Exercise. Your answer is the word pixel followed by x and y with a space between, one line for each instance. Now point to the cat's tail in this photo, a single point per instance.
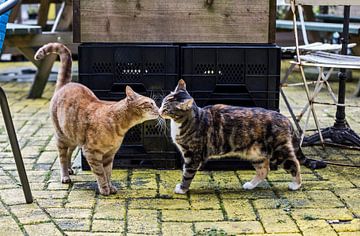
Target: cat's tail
pixel 64 75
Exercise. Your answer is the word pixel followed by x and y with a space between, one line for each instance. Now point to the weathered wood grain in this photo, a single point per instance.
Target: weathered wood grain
pixel 225 21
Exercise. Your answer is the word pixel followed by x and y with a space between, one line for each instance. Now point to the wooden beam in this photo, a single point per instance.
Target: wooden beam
pixel 38 39
pixel 29 54
pixel 225 21
pixel 272 21
pixel 42 76
pixel 43 13
pixel 76 21
pixel 66 17
pixel 326 2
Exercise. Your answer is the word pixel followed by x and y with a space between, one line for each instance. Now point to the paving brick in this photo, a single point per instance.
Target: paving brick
pixel 110 209
pixel 47 157
pixel 143 180
pixel 343 226
pixel 357 233
pixel 323 214
pixel 9 227
pixel 204 201
pixel 12 196
pixel 231 228
pixel 70 213
pixel 50 203
pixel 3 211
pixel 42 229
pixel 74 224
pixel 315 227
pixel 140 221
pixel 57 186
pixel 325 199
pixel 351 198
pixel 227 180
pixel 80 199
pixel 159 204
pixel 29 213
pixel 239 209
pixel 192 215
pixel 248 194
pixel 49 194
pixel 174 228
pixel 70 233
pixel 108 226
pixel 277 221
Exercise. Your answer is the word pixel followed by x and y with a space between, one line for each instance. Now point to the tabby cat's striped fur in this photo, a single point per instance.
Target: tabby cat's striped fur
pixel 98 127
pixel 258 135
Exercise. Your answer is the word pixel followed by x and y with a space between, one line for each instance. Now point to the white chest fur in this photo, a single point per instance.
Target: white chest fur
pixel 175 130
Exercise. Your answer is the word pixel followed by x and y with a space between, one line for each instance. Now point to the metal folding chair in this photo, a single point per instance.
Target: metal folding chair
pixel 326 62
pixel 4 14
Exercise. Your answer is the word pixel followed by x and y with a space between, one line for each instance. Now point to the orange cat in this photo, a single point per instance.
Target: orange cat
pixel 98 127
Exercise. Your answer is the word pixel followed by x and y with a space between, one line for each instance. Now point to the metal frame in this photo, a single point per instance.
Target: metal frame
pixel 4 7
pixel 340 134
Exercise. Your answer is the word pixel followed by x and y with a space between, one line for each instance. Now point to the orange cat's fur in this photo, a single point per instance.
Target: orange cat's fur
pixel 98 127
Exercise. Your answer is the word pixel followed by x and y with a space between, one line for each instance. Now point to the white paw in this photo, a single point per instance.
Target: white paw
pixel 179 190
pixel 294 186
pixel 65 180
pixel 249 185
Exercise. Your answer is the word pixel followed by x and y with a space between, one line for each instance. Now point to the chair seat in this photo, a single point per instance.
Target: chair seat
pixel 325 59
pixel 318 46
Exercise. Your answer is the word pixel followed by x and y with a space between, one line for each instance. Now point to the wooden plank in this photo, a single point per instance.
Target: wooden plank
pixel 41 76
pixel 272 21
pixel 43 13
pixel 227 21
pixel 38 39
pixel 326 2
pixel 76 21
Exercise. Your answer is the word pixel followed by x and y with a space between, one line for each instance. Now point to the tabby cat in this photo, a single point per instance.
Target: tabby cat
pixel 98 127
pixel 260 136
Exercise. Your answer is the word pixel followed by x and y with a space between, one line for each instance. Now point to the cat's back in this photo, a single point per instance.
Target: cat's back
pixel 248 118
pixel 73 92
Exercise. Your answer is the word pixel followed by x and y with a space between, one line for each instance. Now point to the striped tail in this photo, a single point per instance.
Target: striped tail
pixel 64 75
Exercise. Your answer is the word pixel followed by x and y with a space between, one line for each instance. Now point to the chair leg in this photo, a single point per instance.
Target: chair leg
pixel 15 146
pixel 311 105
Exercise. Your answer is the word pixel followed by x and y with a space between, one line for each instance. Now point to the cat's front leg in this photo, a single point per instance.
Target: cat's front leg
pixel 95 161
pixel 189 171
pixel 108 165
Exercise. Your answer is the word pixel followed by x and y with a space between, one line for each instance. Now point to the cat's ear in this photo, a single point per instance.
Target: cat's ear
pixel 130 94
pixel 181 85
pixel 186 105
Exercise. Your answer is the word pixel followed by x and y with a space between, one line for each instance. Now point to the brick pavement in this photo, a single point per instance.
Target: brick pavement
pixel 327 204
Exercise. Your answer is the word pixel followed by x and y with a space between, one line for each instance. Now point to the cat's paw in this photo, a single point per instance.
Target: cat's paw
pixel 71 171
pixel 65 180
pixel 249 185
pixel 294 186
pixel 113 190
pixel 105 191
pixel 180 190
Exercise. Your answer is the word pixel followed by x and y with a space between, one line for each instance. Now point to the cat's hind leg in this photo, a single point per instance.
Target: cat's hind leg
pixel 95 161
pixel 64 163
pixel 69 155
pixel 285 154
pixel 262 170
pixel 292 166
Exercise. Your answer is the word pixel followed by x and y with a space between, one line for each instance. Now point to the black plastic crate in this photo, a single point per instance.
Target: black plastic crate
pixel 243 75
pixel 151 70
